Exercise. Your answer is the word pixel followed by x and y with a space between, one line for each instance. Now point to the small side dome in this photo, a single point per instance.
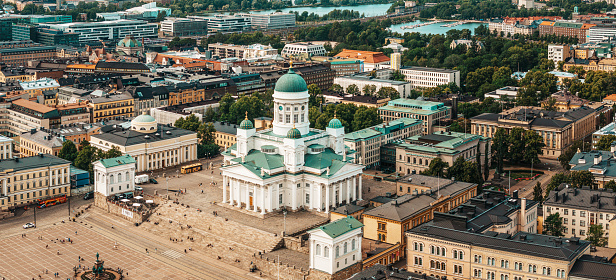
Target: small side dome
pixel 294 133
pixel 246 123
pixel 335 123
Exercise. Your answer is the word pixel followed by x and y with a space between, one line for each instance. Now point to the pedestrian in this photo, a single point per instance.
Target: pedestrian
pixel 185 251
pixel 79 258
pixel 58 252
pixel 47 246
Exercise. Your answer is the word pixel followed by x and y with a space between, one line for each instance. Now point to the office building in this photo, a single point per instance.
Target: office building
pixel 94 32
pixel 147 97
pixel 396 61
pixel 148 11
pixel 153 146
pixel 609 129
pixel 21 56
pixel 178 27
pixel 342 66
pixel 601 33
pixel 271 21
pixel 225 24
pixel 598 162
pixel 24 115
pixel 243 52
pixel 308 49
pixel 580 208
pixel 558 129
pixel 110 106
pixel 372 60
pixel 568 29
pixel 425 77
pixel 360 80
pixel 415 153
pixel 33 178
pixel 431 113
pixel 36 88
pixel 503 94
pixel 6 147
pixel 225 134
pixel 368 142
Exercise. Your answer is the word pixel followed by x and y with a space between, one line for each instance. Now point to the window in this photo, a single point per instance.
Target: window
pixel 352 244
pixel 582 214
pixel 326 252
pixel 583 223
pixel 345 250
pixel 381 226
pixel 565 221
pixel 572 212
pixel 477 273
pixel 477 259
pixel 582 232
pixel 318 250
pixel 337 251
pixel 532 268
pixel 566 211
pixel 504 264
pixel 307 198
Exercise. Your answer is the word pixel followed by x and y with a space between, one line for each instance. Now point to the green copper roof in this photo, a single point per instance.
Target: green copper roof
pixel 117 161
pixel 262 160
pixel 321 160
pixel 144 119
pixel 335 123
pixel 291 82
pixel 340 227
pixel 246 124
pixel 294 133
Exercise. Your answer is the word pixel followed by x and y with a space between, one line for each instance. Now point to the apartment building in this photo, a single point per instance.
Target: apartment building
pixel 372 60
pixel 225 134
pixel 147 97
pixel 447 252
pixel 425 77
pixel 36 88
pixel 209 88
pixel 25 115
pixel 271 21
pixel 37 141
pixel 309 49
pixel 178 27
pixel 598 163
pixel 95 31
pixel 6 147
pixel 245 52
pixel 72 113
pixel 21 56
pixel 568 29
pixel 609 129
pixel 29 179
pixel 427 111
pixel 580 208
pixel 414 154
pixel 111 106
pixel 368 142
pixel 558 53
pixel 558 129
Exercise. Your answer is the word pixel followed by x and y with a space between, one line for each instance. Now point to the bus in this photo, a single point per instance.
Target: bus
pixel 51 201
pixel 191 168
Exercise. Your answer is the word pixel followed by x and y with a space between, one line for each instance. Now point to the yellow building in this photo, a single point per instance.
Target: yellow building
pixel 15 75
pixel 26 180
pixel 444 252
pixel 36 88
pixel 388 222
pixel 346 210
pixel 111 106
pixel 225 134
pixel 36 142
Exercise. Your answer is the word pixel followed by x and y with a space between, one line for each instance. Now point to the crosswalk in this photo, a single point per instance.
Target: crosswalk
pixel 172 254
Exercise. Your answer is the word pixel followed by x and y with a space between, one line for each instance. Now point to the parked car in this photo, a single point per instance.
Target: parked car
pixel 88 195
pixel 153 181
pixel 138 188
pixel 28 225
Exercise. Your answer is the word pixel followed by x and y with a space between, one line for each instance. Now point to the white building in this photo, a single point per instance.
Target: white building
pixel 300 48
pixel 597 34
pixel 271 21
pixel 115 175
pixel 509 92
pixel 6 147
pixel 225 24
pixel 145 11
pixel 290 165
pixel 336 246
pixel 397 48
pixel 152 145
pixel 404 88
pixel 430 77
pixel 93 32
pixel 246 52
pixel 558 53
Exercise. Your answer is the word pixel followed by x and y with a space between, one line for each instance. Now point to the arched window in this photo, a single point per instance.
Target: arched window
pixel 318 253
pixel 345 248
pixel 119 177
pixel 111 179
pixel 326 252
pixel 352 244
pixel 455 254
pixel 420 247
pixel 443 251
pixel 415 246
pixel 432 264
pixel 337 251
pixel 127 176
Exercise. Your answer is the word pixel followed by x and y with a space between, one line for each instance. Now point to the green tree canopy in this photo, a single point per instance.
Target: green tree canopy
pixel 595 235
pixel 605 142
pixel 538 193
pixel 436 168
pixel 68 151
pixel 553 225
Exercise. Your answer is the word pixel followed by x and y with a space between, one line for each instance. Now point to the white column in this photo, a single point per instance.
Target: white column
pixel 354 187
pixel 262 200
pixel 360 187
pixel 231 191
pixel 4 191
pixel 254 198
pixel 326 198
pixel 340 194
pixel 276 199
pixel 348 190
pixel 247 196
pixel 224 189
pixel 294 198
pixel 270 204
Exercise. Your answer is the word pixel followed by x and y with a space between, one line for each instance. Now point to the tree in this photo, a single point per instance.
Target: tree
pixel 246 104
pixel 191 123
pixel 500 146
pixel 68 151
pixel 224 107
pixel 538 193
pixel 556 180
pixel 369 90
pixel 160 17
pixel 397 76
pixel 436 167
pixel 352 89
pixel 336 88
pixel 568 154
pixel 486 162
pixel 111 153
pixel 550 104
pixel 210 114
pixel 595 235
pixel 516 145
pixel 611 185
pixel 457 169
pixel 316 96
pixel 553 225
pixel 605 142
pixel 365 117
pixel 388 92
pixel 581 178
pixel 533 146
pixel 206 133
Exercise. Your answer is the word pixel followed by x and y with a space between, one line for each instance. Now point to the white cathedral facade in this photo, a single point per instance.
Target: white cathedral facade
pixel 290 165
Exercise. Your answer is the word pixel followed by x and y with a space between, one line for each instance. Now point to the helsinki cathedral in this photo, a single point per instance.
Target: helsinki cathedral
pixel 290 165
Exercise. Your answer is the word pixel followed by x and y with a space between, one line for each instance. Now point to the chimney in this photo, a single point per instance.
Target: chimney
pixel 597 159
pixel 515 194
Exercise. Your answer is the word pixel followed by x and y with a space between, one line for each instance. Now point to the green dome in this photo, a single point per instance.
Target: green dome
pixel 294 133
pixel 335 123
pixel 144 119
pixel 291 82
pixel 246 124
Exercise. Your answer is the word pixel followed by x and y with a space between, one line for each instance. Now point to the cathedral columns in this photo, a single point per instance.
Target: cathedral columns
pixel 224 189
pixel 360 189
pixel 354 188
pixel 262 199
pixel 294 196
pixel 327 199
pixel 270 204
pixel 340 193
pixel 247 195
pixel 348 190
pixel 311 201
pixel 254 198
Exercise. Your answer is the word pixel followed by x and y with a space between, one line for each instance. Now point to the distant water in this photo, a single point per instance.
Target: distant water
pixel 433 28
pixel 370 10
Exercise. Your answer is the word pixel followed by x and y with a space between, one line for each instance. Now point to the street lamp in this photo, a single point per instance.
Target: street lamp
pixel 284 230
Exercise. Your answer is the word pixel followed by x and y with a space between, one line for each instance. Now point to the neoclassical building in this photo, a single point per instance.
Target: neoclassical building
pixel 290 165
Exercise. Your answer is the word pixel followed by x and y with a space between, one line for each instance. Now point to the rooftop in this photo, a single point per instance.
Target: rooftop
pixel 340 227
pixel 366 56
pixel 25 163
pixel 582 198
pixel 415 106
pixel 381 272
pixel 127 137
pixel 117 161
